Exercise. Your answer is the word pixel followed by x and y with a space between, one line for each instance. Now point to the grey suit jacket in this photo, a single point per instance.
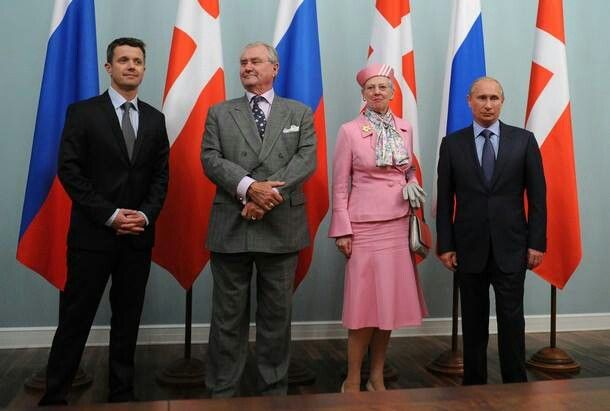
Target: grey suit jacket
pixel 232 149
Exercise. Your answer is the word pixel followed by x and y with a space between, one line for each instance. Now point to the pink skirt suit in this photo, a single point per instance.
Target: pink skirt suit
pixel 381 284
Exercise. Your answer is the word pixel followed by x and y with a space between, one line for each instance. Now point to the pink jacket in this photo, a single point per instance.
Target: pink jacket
pixel 361 191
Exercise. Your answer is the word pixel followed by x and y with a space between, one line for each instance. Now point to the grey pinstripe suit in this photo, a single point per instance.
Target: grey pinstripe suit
pixel 232 149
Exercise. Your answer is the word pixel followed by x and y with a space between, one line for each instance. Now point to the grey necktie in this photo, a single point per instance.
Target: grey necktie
pixel 259 116
pixel 128 133
pixel 488 158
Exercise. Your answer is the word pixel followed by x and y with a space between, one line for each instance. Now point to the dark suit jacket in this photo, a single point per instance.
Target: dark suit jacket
pixel 96 172
pixel 491 219
pixel 232 149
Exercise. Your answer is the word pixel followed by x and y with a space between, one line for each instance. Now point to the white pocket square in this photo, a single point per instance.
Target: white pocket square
pixel 292 129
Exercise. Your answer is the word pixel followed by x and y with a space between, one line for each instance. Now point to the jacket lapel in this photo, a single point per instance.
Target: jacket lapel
pixel 117 133
pixel 275 123
pixel 504 149
pixel 244 119
pixel 470 153
pixel 142 116
pixel 367 130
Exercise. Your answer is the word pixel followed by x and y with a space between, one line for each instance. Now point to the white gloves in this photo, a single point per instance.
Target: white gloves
pixel 415 194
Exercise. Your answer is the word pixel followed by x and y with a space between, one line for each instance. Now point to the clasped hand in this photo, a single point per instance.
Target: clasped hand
pixel 251 211
pixel 129 222
pixel 262 193
pixel 414 194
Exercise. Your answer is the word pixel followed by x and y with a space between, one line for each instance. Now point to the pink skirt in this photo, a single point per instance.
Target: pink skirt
pixel 381 286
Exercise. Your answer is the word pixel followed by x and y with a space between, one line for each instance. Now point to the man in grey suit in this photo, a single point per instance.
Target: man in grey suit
pixel 258 149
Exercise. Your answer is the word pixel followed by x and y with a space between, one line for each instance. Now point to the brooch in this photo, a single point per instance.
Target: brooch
pixel 366 128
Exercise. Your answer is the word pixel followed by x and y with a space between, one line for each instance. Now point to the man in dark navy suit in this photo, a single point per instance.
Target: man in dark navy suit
pixel 485 171
pixel 113 163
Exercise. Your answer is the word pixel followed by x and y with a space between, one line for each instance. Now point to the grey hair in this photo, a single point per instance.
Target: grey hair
pixel 271 51
pixel 390 82
pixel 474 83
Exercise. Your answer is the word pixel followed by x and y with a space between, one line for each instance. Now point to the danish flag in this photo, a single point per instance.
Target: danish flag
pixel 195 81
pixel 392 44
pixel 549 117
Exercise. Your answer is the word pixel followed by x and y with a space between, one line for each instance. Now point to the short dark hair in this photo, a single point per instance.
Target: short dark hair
pixel 124 41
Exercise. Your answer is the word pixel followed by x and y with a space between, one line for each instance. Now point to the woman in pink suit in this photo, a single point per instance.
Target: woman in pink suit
pixel 373 188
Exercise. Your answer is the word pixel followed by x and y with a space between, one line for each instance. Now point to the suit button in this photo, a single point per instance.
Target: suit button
pixel 390 184
pixel 281 155
pixel 244 154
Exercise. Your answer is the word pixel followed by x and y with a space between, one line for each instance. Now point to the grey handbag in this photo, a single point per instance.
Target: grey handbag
pixel 420 237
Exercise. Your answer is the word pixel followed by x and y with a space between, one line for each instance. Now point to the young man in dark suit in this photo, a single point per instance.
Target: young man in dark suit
pixel 113 163
pixel 485 172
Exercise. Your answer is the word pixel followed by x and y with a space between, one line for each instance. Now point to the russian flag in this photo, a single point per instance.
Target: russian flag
pixel 300 78
pixel 465 63
pixel 70 74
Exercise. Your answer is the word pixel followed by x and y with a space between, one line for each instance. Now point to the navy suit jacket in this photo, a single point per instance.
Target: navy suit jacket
pixel 96 172
pixel 474 219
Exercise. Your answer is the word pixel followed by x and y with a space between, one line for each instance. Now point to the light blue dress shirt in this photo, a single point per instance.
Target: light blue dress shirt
pixel 480 140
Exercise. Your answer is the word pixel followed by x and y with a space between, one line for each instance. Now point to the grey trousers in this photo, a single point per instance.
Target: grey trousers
pixel 228 344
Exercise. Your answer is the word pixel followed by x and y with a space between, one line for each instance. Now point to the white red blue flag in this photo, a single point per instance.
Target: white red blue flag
pixel 70 74
pixel 465 63
pixel 300 78
pixel 195 81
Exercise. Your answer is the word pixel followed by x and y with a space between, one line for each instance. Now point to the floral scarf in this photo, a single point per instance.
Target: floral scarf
pixel 390 148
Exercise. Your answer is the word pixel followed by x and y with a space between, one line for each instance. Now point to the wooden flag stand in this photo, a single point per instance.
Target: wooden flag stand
pixel 553 359
pixel 38 381
pixel 187 371
pixel 451 361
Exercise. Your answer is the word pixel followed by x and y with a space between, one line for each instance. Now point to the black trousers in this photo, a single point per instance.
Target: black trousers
pixel 88 273
pixel 474 293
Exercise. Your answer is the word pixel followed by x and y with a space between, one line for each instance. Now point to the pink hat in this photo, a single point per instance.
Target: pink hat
pixel 373 70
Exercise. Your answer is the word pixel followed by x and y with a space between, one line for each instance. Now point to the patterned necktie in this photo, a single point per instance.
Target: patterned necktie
pixel 488 158
pixel 128 133
pixel 259 116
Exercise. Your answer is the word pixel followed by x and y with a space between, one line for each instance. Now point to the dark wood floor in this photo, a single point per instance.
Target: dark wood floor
pixel 325 358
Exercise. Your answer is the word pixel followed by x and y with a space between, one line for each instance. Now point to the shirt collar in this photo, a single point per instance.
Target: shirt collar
pixel 494 128
pixel 118 100
pixel 268 95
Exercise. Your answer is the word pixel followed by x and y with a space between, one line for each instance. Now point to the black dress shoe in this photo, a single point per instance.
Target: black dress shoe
pixel 123 398
pixel 45 402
